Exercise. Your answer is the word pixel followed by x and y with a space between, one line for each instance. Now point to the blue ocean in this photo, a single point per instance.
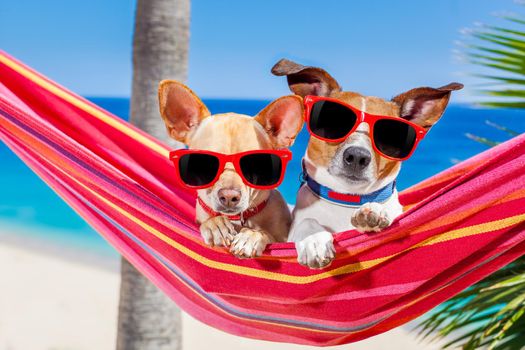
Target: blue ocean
pixel 30 209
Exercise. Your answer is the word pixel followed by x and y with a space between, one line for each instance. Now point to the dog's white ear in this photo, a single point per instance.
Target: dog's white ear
pixel 282 119
pixel 424 106
pixel 304 80
pixel 181 110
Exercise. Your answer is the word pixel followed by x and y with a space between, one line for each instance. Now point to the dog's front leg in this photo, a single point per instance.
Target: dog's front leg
pixel 218 231
pixel 314 245
pixel 371 217
pixel 249 243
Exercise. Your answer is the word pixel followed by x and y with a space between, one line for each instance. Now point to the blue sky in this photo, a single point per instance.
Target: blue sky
pixel 375 47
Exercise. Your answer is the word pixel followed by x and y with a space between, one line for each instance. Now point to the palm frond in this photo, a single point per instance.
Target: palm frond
pixel 482 140
pixel 511 132
pixel 501 48
pixel 491 313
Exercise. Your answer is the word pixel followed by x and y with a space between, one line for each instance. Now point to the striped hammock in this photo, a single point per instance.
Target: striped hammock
pixel 460 226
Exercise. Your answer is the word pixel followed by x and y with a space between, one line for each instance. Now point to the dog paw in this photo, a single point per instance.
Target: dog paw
pixel 316 251
pixel 249 243
pixel 371 217
pixel 218 231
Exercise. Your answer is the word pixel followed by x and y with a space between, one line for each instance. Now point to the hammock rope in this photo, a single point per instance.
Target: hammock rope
pixel 460 226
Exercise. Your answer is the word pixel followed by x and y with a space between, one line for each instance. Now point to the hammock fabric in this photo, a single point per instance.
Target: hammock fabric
pixel 461 225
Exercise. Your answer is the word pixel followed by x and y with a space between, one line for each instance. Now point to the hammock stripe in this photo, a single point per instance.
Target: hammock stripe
pixel 461 225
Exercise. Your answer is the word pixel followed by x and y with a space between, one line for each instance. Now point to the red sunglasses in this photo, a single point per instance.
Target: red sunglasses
pixel 331 120
pixel 260 169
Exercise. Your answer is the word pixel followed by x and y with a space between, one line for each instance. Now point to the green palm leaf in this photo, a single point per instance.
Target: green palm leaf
pixel 491 313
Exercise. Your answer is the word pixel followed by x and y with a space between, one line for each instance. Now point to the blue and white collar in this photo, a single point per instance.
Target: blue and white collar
pixel 348 199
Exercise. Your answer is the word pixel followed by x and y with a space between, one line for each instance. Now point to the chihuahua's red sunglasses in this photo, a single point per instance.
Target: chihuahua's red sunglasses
pixel 331 120
pixel 260 169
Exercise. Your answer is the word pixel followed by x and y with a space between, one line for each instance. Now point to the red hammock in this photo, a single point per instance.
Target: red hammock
pixel 461 225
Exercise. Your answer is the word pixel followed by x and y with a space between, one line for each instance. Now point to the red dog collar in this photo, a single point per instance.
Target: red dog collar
pixel 248 213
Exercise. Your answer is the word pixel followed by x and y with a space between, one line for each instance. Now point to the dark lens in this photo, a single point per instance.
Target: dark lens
pixel 198 169
pixel 261 169
pixel 394 138
pixel 331 120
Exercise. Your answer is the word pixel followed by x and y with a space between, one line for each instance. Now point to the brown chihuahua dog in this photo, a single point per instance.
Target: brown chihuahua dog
pixel 230 212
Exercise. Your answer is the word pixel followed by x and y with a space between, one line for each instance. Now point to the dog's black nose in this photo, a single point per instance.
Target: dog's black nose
pixel 229 197
pixel 357 158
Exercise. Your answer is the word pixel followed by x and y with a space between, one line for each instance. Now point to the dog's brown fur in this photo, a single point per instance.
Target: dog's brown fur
pixel 333 165
pixel 304 81
pixel 189 121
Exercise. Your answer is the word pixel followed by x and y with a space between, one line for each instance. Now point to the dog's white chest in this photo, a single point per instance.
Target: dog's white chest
pixel 333 217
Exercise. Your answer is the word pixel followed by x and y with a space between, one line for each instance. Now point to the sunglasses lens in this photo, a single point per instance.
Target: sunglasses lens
pixel 198 169
pixel 394 138
pixel 331 120
pixel 261 169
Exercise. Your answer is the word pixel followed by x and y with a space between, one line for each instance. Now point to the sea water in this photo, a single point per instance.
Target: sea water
pixel 26 202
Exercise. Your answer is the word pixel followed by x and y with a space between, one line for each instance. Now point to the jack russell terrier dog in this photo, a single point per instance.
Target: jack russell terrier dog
pixel 235 162
pixel 353 157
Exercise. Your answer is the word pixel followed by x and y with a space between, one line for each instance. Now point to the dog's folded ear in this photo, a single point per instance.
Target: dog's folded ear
pixel 424 106
pixel 181 110
pixel 282 119
pixel 304 80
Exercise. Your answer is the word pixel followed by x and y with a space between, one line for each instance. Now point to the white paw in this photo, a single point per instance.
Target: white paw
pixel 218 231
pixel 371 217
pixel 316 251
pixel 249 243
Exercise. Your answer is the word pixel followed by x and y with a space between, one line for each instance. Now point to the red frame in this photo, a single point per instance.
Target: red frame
pixel 235 158
pixel 362 117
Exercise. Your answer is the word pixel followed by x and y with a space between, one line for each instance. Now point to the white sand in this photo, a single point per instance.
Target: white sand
pixel 55 303
pixel 51 303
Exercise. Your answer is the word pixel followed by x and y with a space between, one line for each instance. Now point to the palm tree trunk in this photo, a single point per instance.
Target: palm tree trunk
pixel 147 318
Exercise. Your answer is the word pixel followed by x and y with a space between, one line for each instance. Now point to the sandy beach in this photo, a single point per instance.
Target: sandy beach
pixel 54 299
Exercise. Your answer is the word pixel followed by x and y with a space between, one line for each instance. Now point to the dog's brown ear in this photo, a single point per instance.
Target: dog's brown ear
pixel 424 106
pixel 181 110
pixel 282 119
pixel 306 80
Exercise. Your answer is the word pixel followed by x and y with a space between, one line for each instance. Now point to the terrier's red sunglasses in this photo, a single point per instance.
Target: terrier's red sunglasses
pixel 260 169
pixel 331 120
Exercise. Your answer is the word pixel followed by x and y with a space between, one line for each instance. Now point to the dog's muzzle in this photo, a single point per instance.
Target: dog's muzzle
pixel 356 159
